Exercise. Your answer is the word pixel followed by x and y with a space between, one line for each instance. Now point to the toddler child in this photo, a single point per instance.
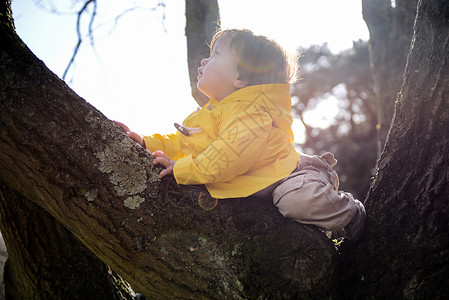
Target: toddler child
pixel 240 143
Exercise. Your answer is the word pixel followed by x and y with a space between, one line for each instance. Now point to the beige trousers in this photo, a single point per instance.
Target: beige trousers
pixel 310 194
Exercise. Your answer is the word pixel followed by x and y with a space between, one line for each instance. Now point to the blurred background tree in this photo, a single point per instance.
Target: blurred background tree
pixel 390 25
pixel 351 135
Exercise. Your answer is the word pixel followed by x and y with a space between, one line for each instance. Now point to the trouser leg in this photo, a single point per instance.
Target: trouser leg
pixel 309 197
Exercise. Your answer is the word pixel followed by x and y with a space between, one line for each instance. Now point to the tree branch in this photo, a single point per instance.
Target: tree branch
pixel 78 32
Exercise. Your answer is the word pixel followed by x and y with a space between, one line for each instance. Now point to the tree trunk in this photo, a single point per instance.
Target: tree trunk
pixel 45 260
pixel 164 239
pixel 405 252
pixel 202 20
pixel 391 30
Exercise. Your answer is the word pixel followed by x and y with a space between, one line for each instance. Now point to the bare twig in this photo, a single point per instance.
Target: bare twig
pixel 91 29
pixel 78 31
pixel 91 22
pixel 131 9
pixel 51 8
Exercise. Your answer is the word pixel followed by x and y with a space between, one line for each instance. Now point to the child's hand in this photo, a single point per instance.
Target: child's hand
pixel 164 160
pixel 136 137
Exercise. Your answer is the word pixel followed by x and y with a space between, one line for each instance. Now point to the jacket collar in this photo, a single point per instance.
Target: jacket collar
pixel 274 98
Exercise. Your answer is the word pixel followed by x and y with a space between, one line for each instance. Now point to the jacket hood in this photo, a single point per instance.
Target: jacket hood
pixel 275 98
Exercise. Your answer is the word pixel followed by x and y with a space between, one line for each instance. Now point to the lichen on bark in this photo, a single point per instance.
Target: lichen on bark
pixel 91 195
pixel 120 159
pixel 133 202
pixel 126 173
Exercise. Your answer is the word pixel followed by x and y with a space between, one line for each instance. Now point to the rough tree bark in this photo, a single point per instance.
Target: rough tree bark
pixel 46 261
pixel 59 152
pixel 44 257
pixel 391 31
pixel 202 20
pixel 405 255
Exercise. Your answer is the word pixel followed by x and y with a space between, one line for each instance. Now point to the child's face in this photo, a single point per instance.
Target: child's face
pixel 218 75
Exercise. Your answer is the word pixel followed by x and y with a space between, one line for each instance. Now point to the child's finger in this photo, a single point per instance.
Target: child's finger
pixel 162 161
pixel 136 137
pixel 156 161
pixel 122 126
pixel 158 153
pixel 164 172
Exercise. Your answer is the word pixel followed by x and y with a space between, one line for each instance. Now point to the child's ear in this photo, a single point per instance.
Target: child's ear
pixel 240 84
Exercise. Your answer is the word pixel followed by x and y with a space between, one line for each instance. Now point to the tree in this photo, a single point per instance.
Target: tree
pixel 391 29
pixel 404 255
pixel 203 19
pixel 46 261
pixel 62 154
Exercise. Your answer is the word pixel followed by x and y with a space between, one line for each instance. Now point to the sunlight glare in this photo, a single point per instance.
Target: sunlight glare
pixel 324 113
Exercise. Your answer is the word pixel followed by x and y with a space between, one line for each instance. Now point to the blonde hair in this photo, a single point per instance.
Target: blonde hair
pixel 260 59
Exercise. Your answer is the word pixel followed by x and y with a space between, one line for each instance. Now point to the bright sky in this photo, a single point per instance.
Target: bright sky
pixel 137 72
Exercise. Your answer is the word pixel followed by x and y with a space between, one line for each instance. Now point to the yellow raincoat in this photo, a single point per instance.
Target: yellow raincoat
pixel 235 147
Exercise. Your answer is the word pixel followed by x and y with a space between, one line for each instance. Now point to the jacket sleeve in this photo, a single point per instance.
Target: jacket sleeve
pixel 169 144
pixel 241 139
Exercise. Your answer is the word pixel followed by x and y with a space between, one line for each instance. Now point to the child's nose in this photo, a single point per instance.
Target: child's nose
pixel 204 61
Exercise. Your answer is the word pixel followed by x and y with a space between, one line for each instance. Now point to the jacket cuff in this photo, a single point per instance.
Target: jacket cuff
pixel 182 171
